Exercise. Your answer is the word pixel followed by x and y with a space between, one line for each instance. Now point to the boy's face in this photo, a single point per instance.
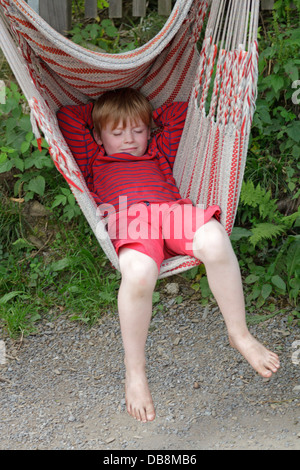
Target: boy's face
pixel 132 139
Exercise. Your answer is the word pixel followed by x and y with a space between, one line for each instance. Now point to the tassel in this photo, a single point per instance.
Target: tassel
pixel 35 129
pixel 39 142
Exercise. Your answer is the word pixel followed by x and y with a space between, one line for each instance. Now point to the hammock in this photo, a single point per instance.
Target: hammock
pixel 219 83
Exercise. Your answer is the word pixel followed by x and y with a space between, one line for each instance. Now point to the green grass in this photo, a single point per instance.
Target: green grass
pixel 72 276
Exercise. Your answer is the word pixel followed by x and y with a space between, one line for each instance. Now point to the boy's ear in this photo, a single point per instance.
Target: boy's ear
pixel 97 137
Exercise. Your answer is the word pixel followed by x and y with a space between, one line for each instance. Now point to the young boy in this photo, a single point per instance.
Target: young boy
pixel 127 169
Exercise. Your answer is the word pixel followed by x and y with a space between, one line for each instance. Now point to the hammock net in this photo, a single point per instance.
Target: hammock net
pixel 219 82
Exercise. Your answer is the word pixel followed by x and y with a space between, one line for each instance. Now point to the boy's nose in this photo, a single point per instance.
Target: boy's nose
pixel 128 136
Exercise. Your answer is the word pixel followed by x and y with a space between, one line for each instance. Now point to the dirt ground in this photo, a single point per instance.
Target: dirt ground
pixel 63 388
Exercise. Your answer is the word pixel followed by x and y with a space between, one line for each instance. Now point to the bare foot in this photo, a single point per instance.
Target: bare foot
pixel 261 359
pixel 138 397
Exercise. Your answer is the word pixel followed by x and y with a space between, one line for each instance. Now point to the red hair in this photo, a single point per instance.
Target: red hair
pixel 121 105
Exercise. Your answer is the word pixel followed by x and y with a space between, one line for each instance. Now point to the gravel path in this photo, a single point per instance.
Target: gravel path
pixel 63 388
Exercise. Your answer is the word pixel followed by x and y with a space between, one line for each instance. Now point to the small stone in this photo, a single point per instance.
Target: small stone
pixel 35 241
pixel 172 288
pixel 38 210
pixel 109 440
pixel 196 385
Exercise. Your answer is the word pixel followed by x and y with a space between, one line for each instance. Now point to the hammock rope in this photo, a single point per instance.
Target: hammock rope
pixel 219 83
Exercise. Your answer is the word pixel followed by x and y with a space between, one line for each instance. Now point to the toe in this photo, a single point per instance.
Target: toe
pixel 151 416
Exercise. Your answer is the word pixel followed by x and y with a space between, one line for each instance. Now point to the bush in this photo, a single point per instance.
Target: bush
pixel 268 214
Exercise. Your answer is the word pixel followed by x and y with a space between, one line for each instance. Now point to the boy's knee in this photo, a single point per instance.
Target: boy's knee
pixel 210 242
pixel 138 269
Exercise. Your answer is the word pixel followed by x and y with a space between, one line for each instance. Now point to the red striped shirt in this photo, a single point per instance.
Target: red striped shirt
pixel 109 177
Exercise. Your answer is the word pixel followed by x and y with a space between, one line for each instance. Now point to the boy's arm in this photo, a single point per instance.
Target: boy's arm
pixel 172 119
pixel 76 125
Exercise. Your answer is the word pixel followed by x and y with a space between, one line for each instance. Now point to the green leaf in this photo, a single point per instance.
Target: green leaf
pixel 60 199
pixel 107 296
pixel 205 289
pixel 29 136
pixel 293 258
pixel 39 161
pixel 3 158
pixel 111 31
pixel 266 291
pixel 21 243
pixel 251 279
pixel 19 164
pixel 65 191
pixel 25 146
pixel 94 32
pixel 10 124
pixel 292 70
pixel 102 4
pixel 71 200
pixel 293 131
pixel 155 297
pixel 277 82
pixel 35 317
pixel 61 264
pixel 264 114
pixel 6 166
pixel 37 185
pixel 191 273
pixel 264 231
pixel 10 295
pixel 25 123
pixel 238 233
pixel 7 149
pixel 278 282
pixel 296 151
pixel 195 286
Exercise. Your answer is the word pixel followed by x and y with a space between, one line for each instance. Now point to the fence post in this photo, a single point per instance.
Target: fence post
pixel 164 7
pixel 34 4
pixel 115 8
pixel 90 8
pixel 139 8
pixel 267 4
pixel 57 13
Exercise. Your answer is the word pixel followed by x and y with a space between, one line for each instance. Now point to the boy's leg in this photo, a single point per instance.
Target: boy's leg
pixel 212 246
pixel 139 276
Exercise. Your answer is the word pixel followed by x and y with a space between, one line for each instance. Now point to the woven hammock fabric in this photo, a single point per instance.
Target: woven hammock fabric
pixel 220 84
pixel 71 74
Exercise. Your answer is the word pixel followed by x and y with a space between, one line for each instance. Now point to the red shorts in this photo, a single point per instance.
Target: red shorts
pixel 159 230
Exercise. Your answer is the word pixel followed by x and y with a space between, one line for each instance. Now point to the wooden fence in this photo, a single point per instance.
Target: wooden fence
pixel 138 8
pixel 58 13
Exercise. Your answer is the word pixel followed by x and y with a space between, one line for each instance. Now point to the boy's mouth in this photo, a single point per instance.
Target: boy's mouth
pixel 130 149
